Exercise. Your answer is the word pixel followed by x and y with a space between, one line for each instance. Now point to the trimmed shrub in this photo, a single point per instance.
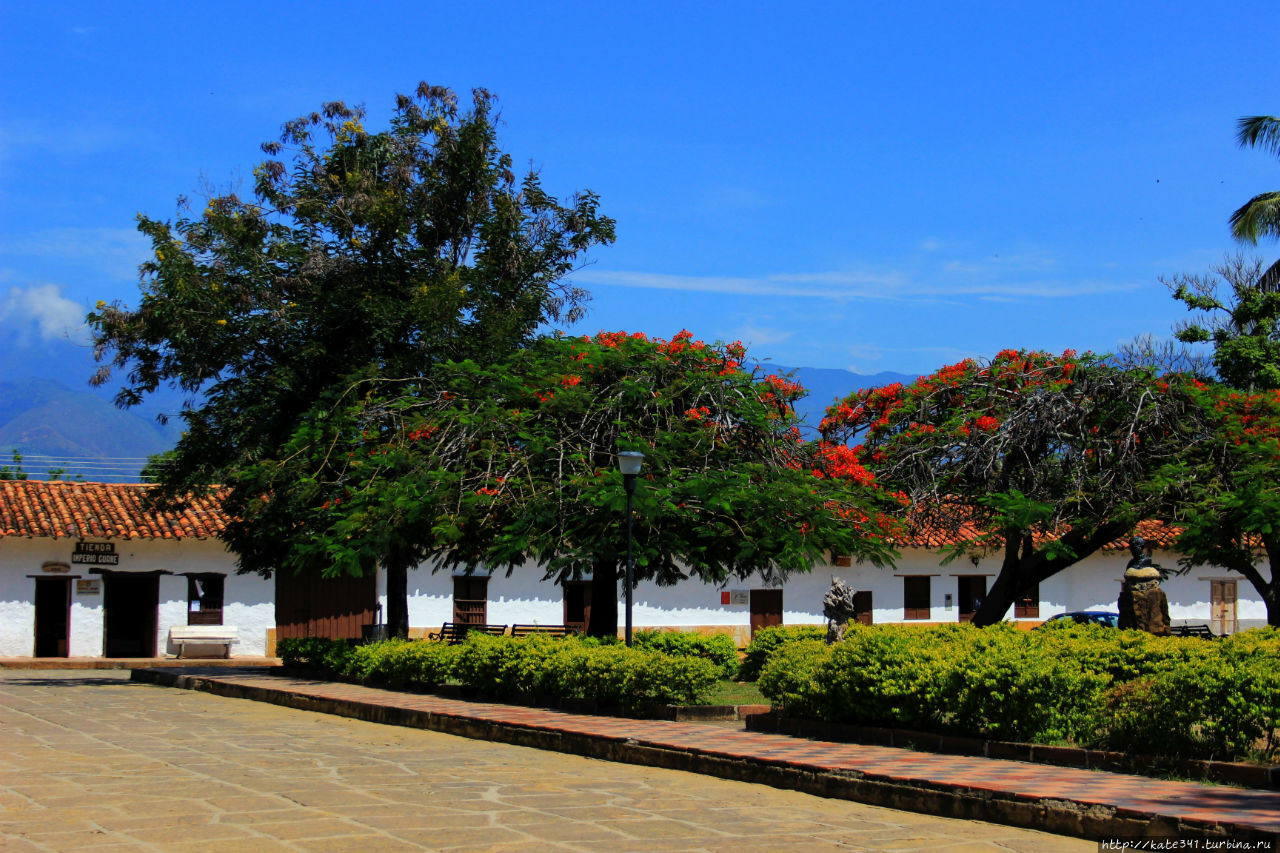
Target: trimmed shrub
pixel 315 653
pixel 1008 688
pixel 1088 685
pixel 401 663
pixel 720 649
pixel 1221 709
pixel 895 675
pixel 767 640
pixel 793 678
pixel 566 668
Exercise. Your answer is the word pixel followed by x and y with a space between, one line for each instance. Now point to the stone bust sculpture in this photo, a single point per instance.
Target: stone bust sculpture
pixel 1143 604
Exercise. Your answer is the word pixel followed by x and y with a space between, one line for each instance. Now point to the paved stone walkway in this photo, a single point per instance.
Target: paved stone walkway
pixel 1070 801
pixel 89 761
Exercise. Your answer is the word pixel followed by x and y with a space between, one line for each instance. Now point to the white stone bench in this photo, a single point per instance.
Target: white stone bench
pixel 191 640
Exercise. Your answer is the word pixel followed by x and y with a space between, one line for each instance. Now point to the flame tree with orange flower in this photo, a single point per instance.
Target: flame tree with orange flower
pixel 499 466
pixel 1223 494
pixel 1040 458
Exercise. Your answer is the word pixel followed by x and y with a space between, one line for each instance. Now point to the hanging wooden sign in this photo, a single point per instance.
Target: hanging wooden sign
pixel 95 554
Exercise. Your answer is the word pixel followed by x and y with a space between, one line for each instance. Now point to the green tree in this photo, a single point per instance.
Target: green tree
pixel 1260 216
pixel 1224 492
pixel 14 471
pixel 359 255
pixel 495 465
pixel 1239 313
pixel 1040 458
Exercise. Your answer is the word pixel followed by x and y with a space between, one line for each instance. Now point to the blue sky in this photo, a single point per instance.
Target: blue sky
pixel 865 186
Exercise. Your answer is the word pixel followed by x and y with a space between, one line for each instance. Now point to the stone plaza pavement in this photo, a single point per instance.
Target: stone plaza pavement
pixel 90 761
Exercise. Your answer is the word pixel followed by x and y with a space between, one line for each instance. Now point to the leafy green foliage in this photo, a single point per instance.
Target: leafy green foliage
pixel 792 677
pixel 768 640
pixel 515 461
pixel 1082 684
pixel 506 667
pixel 1260 216
pixel 361 255
pixel 720 649
pixel 1224 492
pixel 400 663
pixel 14 471
pixel 1238 311
pixel 1040 458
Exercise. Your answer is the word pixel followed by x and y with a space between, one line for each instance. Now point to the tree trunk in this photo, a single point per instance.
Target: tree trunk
pixel 604 599
pixel 397 566
pixel 1268 590
pixel 1004 589
pixel 1024 565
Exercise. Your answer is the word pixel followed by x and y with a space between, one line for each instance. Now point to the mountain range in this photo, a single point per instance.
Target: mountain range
pixel 55 424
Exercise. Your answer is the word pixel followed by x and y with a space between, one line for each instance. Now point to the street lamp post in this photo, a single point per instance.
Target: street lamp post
pixel 629 461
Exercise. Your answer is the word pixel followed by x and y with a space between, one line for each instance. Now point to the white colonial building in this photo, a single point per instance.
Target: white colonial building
pixel 87 571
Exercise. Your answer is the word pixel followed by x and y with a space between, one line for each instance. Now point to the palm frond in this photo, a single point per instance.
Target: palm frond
pixel 1260 216
pixel 1270 280
pixel 1259 132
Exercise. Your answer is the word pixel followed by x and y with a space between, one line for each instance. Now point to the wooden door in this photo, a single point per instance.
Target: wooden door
pixel 577 605
pixel 766 609
pixel 336 608
pixel 971 589
pixel 1222 606
pixel 53 617
pixel 862 607
pixel 129 604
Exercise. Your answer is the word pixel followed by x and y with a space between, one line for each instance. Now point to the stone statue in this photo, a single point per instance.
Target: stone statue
pixel 837 606
pixel 1143 604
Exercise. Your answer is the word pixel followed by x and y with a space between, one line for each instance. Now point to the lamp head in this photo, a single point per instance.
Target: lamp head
pixel 630 462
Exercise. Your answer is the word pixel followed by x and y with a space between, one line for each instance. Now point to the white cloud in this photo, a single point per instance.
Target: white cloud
pixel 42 309
pixel 754 334
pixel 973 280
pixel 115 252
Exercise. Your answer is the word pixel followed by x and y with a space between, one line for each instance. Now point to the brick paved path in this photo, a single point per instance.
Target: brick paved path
pixel 1071 801
pixel 91 762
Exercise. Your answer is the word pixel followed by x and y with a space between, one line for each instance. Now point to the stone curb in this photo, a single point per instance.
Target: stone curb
pixel 1061 816
pixel 1235 773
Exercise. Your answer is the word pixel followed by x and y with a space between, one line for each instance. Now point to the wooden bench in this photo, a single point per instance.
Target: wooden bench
pixel 1201 631
pixel 456 632
pixel 520 630
pixel 182 636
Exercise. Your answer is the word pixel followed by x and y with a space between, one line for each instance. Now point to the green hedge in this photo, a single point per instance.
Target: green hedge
pixel 506 667
pixel 768 640
pixel 1081 684
pixel 395 663
pixel 720 649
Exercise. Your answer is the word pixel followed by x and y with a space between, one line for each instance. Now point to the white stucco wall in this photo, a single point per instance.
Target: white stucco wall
pixel 248 603
pixel 1092 584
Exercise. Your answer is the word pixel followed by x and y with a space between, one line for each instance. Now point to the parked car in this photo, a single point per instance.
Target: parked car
pixel 1107 618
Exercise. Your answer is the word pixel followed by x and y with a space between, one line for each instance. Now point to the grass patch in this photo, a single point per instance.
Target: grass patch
pixel 736 693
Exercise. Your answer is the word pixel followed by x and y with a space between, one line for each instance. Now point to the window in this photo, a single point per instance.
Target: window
pixel 970 590
pixel 471 600
pixel 915 597
pixel 204 599
pixel 1027 606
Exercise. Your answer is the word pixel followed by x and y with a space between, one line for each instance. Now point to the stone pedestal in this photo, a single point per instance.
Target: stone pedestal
pixel 1143 604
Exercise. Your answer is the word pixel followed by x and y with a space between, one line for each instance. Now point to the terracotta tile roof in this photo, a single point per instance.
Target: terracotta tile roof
pixel 929 531
pixel 36 508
